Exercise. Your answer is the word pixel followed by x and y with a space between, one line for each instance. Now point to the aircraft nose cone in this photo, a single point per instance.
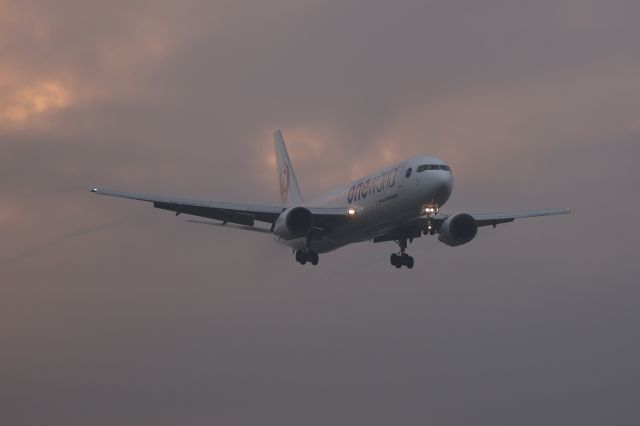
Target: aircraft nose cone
pixel 443 185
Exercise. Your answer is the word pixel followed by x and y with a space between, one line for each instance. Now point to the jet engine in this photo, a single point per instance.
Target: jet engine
pixel 293 223
pixel 458 229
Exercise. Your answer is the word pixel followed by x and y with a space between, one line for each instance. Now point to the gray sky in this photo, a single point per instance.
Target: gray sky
pixel 112 312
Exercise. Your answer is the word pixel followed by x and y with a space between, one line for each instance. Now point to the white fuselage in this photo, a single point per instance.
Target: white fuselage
pixel 382 200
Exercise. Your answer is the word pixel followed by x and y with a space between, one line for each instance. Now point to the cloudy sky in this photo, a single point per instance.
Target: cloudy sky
pixel 112 312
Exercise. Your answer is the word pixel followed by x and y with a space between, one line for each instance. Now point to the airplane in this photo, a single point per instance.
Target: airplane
pixel 397 203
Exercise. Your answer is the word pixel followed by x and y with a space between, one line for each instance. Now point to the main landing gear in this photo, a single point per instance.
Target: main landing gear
pixel 302 257
pixel 402 259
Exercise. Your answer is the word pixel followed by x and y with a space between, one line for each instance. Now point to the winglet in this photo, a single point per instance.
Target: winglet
pixel 289 190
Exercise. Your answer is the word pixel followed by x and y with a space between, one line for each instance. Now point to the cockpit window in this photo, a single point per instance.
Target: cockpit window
pixel 424 167
pixel 408 172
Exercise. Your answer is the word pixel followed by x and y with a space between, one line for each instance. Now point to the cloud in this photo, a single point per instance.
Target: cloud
pixel 54 242
pixel 33 100
pixel 79 54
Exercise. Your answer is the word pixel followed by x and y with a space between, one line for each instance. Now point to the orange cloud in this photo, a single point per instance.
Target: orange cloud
pixel 119 60
pixel 34 99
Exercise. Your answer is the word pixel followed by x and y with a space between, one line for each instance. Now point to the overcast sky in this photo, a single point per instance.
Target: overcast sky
pixel 114 313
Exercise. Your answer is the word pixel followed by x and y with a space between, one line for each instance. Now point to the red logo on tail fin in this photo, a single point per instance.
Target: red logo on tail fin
pixel 284 183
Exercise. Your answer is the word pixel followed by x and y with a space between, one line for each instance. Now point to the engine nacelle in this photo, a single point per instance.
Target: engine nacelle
pixel 458 230
pixel 293 223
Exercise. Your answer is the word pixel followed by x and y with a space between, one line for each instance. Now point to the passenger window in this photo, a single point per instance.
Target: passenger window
pixel 408 172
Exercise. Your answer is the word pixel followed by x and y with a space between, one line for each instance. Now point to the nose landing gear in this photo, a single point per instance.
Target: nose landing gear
pixel 430 210
pixel 402 259
pixel 429 230
pixel 302 257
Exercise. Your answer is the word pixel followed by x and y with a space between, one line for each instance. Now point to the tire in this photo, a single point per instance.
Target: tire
pixel 410 262
pixel 395 261
pixel 314 258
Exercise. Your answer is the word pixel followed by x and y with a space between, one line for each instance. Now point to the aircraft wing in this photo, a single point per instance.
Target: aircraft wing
pixel 413 228
pixel 486 219
pixel 241 214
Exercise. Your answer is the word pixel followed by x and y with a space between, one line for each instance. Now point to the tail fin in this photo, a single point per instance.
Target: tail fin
pixel 289 189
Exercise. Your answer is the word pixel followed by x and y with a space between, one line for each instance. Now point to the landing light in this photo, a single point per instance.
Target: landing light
pixel 351 212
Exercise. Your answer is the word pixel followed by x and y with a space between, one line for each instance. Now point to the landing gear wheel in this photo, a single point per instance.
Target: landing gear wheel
pixel 402 259
pixel 301 257
pixel 409 262
pixel 429 230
